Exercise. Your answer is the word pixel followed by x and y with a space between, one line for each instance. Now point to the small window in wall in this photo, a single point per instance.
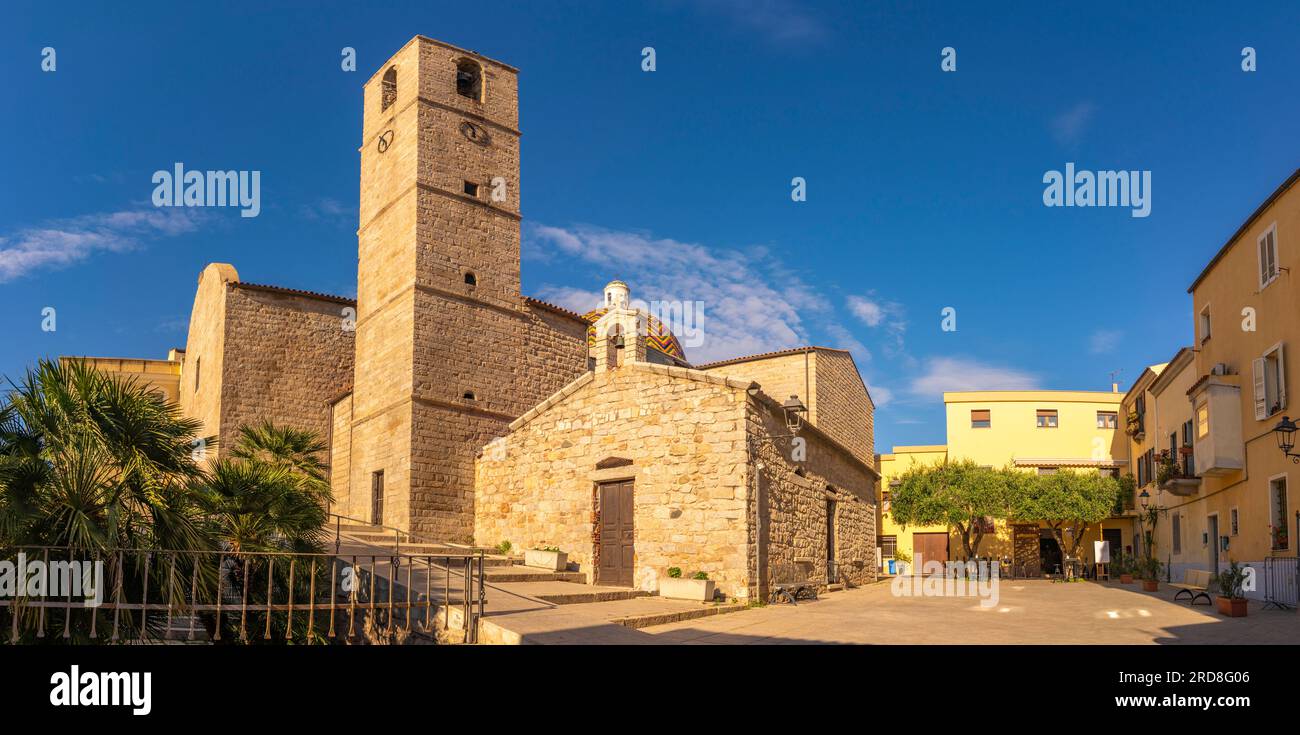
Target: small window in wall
pixel 1279 523
pixel 198 370
pixel 1268 267
pixel 470 278
pixel 1202 420
pixel 1047 470
pixel 1047 418
pixel 471 189
pixel 1107 420
pixel 888 545
pixel 469 80
pixel 1176 531
pixel 1232 521
pixel 389 88
pixel 377 497
pixel 1204 323
pixel 981 418
pixel 468 395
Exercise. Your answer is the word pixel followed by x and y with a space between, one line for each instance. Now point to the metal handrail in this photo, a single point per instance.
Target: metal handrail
pixel 397 533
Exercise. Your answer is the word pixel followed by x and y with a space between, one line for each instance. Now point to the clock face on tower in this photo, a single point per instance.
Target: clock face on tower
pixel 475 134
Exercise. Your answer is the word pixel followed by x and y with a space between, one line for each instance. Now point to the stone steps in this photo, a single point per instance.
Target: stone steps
pixel 517 573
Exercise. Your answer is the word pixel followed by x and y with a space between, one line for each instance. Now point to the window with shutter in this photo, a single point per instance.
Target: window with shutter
pixel 1261 397
pixel 1268 270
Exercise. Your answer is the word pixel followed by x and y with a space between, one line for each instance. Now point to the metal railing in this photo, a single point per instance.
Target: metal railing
pixel 1280 585
pixel 398 535
pixel 314 598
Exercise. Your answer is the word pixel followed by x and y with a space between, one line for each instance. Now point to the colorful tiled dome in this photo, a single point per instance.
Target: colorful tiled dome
pixel 657 335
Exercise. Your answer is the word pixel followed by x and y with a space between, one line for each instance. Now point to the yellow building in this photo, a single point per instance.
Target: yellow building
pixel 1245 306
pixel 1040 431
pixel 898 542
pixel 161 376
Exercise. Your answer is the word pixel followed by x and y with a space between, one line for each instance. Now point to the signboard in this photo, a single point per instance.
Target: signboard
pixel 1101 550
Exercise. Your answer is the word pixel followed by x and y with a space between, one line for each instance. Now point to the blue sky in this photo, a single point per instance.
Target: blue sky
pixel 924 188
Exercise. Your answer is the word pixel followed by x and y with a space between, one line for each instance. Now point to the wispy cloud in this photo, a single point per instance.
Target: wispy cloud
pixel 752 303
pixel 1104 340
pixel 881 314
pixel 60 243
pixel 942 374
pixel 330 210
pixel 782 21
pixel 1069 126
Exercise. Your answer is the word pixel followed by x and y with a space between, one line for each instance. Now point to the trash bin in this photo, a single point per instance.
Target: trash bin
pixel 891 566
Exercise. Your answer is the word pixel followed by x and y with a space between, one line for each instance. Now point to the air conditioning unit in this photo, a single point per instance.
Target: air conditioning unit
pixel 1219 369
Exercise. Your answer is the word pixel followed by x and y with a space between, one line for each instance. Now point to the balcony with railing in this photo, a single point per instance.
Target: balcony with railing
pixel 1176 474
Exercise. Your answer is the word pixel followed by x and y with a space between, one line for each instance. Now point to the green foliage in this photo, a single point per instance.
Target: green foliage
pixel 94 463
pixel 1149 568
pixel 504 548
pixel 959 494
pixel 903 556
pixel 1228 582
pixel 553 549
pixel 699 575
pixel 1074 497
pixel 675 572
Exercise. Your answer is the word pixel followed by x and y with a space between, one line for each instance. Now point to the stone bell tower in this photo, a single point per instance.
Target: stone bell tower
pixel 440 317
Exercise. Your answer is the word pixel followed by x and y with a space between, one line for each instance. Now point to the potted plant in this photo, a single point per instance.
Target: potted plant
pixel 1150 571
pixel 546 557
pixel 1231 600
pixel 1123 567
pixel 698 588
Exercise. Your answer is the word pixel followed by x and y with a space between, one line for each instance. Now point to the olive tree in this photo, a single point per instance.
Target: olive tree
pixel 961 495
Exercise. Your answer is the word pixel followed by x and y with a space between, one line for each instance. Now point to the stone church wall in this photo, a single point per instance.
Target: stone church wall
pixel 686 441
pixel 285 356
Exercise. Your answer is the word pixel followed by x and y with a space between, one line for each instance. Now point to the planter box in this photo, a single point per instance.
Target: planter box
pixel 555 561
pixel 1126 579
pixel 1150 585
pixel 1233 607
pixel 699 590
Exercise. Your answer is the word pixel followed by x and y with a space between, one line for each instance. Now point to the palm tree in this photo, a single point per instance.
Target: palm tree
pixel 94 466
pixel 92 462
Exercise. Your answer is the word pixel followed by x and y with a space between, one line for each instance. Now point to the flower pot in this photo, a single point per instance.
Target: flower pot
pixel 555 561
pixel 1126 579
pixel 1150 585
pixel 699 590
pixel 1233 607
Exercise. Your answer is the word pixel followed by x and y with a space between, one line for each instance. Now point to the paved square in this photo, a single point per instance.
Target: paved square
pixel 1028 611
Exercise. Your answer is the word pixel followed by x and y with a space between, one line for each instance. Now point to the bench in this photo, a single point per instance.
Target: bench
pixel 791 582
pixel 1195 584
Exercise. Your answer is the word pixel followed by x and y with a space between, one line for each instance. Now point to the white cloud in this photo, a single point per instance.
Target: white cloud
pixel 870 312
pixel 875 313
pixel 963 374
pixel 751 302
pixel 1104 340
pixel 1069 126
pixel 61 243
pixel 880 395
pixel 573 299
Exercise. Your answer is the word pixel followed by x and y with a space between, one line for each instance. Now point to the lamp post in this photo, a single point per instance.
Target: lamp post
pixel 1285 431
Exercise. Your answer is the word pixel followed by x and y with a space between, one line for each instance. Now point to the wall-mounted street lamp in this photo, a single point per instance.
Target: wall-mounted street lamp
pixel 1144 498
pixel 1285 431
pixel 794 411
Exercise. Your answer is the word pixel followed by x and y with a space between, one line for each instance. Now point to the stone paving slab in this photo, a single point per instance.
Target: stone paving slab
pixel 1028 612
pixel 594 623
